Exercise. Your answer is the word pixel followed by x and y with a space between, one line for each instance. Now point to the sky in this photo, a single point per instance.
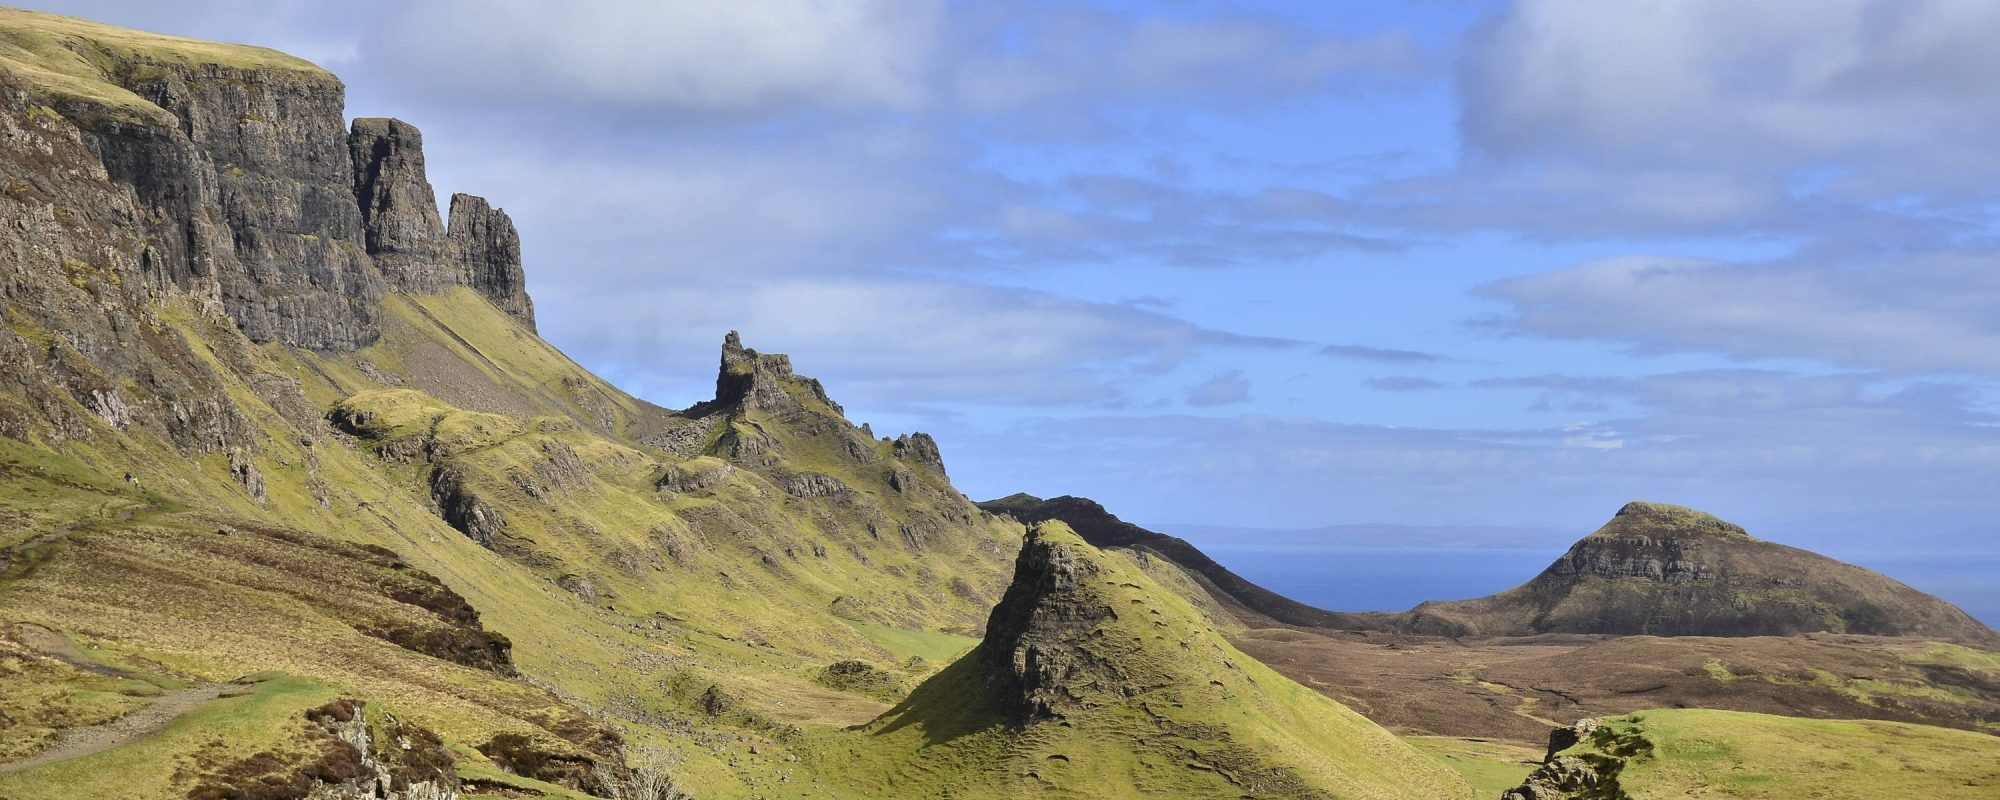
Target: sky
pixel 1439 262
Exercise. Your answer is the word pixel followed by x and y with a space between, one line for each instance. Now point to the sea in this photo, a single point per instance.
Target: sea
pixel 1394 579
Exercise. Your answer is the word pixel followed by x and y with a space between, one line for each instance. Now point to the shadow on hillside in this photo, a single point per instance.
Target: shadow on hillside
pixel 953 703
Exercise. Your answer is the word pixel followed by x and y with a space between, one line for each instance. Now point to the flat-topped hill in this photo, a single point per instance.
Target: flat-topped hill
pixel 1665 570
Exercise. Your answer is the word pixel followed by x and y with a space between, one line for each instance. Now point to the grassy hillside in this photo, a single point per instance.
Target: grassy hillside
pixel 640 584
pixel 1136 695
pixel 1674 753
pixel 74 58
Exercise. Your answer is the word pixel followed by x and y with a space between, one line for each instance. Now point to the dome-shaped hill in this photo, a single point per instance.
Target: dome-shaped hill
pixel 1094 680
pixel 1666 570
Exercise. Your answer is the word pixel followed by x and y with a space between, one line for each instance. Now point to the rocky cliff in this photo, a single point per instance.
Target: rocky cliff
pixel 236 169
pixel 211 281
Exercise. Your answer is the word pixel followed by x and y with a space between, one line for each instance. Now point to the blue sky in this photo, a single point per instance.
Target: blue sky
pixel 1260 263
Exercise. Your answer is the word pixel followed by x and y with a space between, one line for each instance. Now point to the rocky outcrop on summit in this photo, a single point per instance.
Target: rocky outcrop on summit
pixel 1253 604
pixel 1096 678
pixel 1664 570
pixel 1037 646
pixel 764 381
pixel 760 404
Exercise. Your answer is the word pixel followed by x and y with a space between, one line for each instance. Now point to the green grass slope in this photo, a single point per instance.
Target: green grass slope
pixel 1094 680
pixel 638 581
pixel 1674 753
pixel 73 58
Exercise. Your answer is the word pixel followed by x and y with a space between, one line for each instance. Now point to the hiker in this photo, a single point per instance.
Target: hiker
pixel 131 480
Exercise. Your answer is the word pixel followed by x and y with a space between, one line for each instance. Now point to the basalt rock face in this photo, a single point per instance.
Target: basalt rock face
pixel 416 252
pixel 399 215
pixel 245 182
pixel 1035 637
pixel 1664 570
pixel 217 179
pixel 82 257
pixel 488 253
pixel 245 187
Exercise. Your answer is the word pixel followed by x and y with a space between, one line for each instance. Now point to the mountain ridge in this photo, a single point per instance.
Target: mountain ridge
pixel 253 308
pixel 1608 582
pixel 418 553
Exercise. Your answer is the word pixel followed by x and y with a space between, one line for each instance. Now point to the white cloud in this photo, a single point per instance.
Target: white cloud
pixel 1913 314
pixel 1221 389
pixel 664 55
pixel 1063 55
pixel 1804 448
pixel 894 343
pixel 1892 94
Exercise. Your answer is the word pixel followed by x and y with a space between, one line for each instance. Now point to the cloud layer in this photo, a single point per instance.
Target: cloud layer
pixel 1263 262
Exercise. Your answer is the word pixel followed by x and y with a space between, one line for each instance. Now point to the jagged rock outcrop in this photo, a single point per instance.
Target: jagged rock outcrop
pixel 919 448
pixel 399 216
pixel 763 381
pixel 406 762
pixel 757 395
pixel 487 250
pixel 462 507
pixel 1586 776
pixel 1665 570
pixel 1566 778
pixel 807 485
pixel 1037 645
pixel 343 755
pixel 414 251
pixel 1661 753
pixel 1097 679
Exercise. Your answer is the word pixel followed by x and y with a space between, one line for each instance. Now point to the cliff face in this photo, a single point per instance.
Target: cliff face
pixel 142 172
pixel 487 250
pixel 244 182
pixel 399 218
pixel 1037 644
pixel 249 190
